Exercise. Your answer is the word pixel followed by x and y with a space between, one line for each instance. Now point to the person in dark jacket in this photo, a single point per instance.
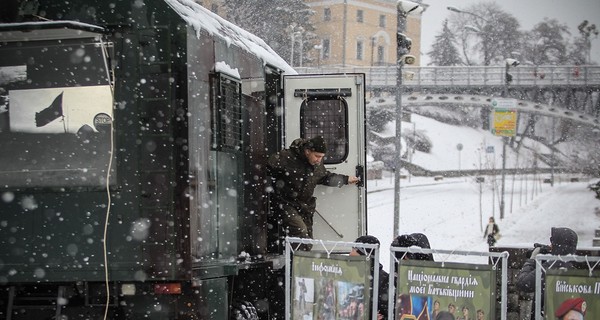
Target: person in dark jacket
pixel 491 232
pixel 563 241
pixel 413 240
pixel 384 277
pixel 295 173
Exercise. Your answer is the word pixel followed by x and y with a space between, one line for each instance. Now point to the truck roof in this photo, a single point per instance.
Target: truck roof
pixel 48 30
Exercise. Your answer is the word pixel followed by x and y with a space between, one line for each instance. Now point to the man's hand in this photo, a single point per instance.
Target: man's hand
pixel 535 252
pixel 353 180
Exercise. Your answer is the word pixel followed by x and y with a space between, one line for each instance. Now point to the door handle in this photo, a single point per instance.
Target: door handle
pixel 360 174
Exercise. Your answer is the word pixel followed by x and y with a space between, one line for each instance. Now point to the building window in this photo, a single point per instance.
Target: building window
pixel 359 50
pixel 326 49
pixel 380 55
pixel 327 14
pixel 382 21
pixel 359 16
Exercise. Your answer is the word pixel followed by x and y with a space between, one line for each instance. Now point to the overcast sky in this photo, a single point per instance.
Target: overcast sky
pixel 528 12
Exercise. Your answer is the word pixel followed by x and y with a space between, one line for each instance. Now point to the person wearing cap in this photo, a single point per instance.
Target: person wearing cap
pixel 384 277
pixel 571 309
pixel 563 241
pixel 295 173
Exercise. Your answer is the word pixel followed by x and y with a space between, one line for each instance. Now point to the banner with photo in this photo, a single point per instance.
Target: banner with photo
pixel 574 293
pixel 425 290
pixel 326 288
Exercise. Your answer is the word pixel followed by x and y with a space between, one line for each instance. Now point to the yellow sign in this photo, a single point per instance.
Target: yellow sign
pixel 505 122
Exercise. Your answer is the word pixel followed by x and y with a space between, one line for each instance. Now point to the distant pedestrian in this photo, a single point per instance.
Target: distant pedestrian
pixel 492 232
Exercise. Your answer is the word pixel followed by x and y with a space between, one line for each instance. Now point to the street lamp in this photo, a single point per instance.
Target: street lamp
pixel 295 31
pixel 404 8
pixel 319 48
pixel 457 10
pixel 509 62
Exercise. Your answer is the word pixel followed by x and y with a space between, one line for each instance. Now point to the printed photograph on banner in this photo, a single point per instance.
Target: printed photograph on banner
pixel 334 287
pixel 426 290
pixel 304 296
pixel 572 294
pixel 58 137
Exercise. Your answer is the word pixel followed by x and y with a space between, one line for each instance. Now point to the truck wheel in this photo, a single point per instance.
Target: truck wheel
pixel 243 310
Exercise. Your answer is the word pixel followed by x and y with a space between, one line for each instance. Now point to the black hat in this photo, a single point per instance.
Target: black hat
pixel 368 240
pixel 317 144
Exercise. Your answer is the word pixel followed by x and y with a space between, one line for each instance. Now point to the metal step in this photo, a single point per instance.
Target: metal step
pixel 41 300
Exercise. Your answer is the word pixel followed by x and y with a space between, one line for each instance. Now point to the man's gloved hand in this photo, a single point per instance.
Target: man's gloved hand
pixel 535 252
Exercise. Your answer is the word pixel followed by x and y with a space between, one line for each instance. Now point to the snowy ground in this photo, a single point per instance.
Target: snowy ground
pixel 448 211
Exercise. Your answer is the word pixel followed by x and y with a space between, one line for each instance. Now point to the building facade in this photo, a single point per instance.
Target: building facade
pixel 360 32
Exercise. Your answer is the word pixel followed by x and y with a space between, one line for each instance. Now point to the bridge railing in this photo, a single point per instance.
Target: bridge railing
pixel 383 76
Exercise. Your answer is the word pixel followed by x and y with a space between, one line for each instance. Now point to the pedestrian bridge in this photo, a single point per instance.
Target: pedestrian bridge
pixel 480 77
pixel 570 91
pixel 486 102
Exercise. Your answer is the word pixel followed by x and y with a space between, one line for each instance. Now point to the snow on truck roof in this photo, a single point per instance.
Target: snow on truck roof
pixel 201 18
pixel 48 30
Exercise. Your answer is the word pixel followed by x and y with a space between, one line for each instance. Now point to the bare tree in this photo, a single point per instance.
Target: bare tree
pixel 278 22
pixel 487 34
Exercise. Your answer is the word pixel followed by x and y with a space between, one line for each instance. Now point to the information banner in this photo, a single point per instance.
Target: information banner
pixel 504 122
pixel 426 289
pixel 327 288
pixel 573 292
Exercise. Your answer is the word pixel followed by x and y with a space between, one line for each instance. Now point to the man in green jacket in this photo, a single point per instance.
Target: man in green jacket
pixel 295 172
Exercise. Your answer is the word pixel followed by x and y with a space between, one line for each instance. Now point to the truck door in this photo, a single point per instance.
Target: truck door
pixel 332 106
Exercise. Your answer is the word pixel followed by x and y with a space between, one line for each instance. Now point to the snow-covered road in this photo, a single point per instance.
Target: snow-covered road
pixel 449 212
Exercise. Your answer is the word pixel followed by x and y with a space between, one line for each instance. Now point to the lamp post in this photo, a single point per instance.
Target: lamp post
pixel 404 8
pixel 509 62
pixel 319 48
pixel 294 32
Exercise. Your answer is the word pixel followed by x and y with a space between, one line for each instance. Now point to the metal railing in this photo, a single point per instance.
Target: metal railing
pixel 466 76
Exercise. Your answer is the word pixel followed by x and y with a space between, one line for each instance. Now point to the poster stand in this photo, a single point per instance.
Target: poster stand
pixel 494 258
pixel 330 250
pixel 578 289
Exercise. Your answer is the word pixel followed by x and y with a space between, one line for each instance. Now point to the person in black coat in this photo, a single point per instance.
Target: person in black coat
pixel 491 232
pixel 413 240
pixel 563 241
pixel 384 277
pixel 295 173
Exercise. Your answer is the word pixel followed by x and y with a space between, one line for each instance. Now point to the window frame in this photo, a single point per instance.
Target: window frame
pixel 226 136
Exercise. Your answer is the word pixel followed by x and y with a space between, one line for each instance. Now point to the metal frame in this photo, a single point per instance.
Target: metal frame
pixel 501 255
pixel 329 247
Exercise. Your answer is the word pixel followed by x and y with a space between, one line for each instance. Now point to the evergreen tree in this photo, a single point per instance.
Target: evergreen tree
pixel 275 21
pixel 443 51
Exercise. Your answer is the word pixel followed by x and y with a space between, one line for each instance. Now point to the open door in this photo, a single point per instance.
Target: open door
pixel 332 106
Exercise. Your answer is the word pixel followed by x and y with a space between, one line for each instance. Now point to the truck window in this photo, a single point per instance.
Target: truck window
pixel 327 118
pixel 55 114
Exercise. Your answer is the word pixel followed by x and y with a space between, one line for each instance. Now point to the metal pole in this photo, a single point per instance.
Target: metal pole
pixel 401 21
pixel 292 49
pixel 503 177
